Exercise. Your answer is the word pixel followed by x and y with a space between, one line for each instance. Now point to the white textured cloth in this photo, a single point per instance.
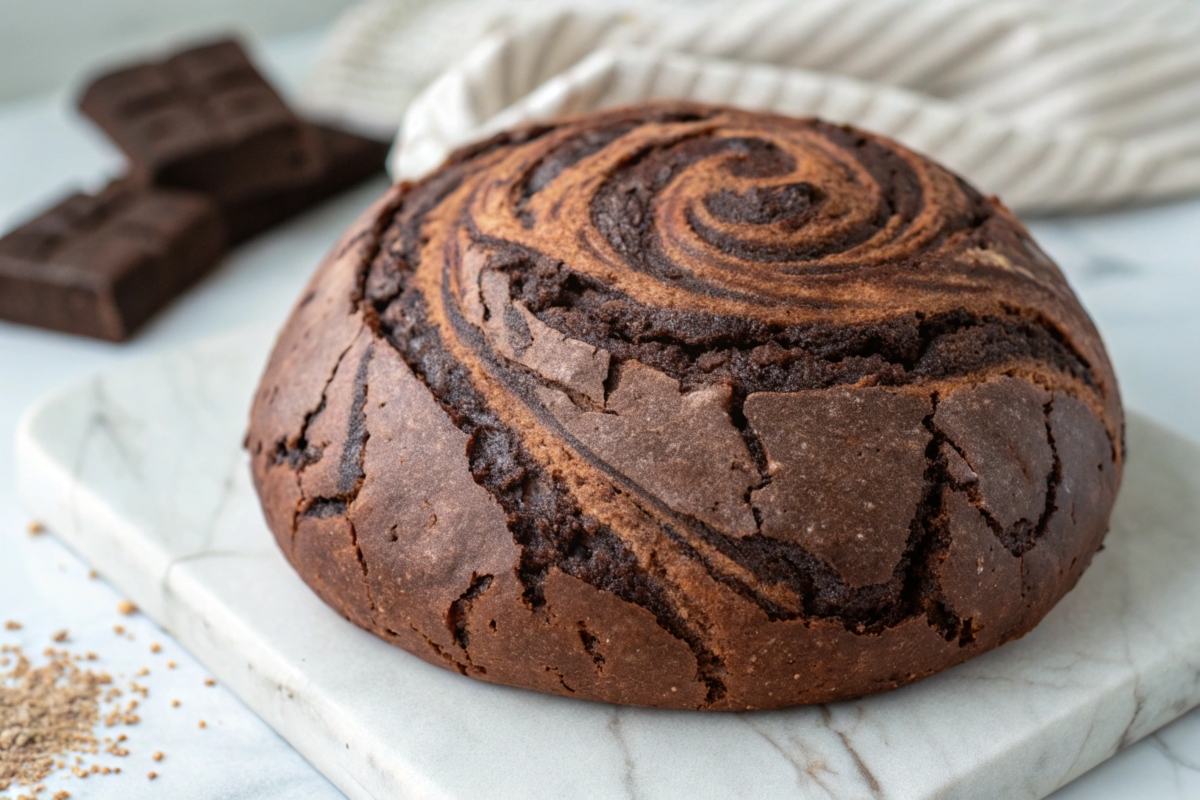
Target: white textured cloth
pixel 1053 106
pixel 381 53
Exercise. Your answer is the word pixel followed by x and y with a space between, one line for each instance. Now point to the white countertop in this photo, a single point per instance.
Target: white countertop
pixel 1137 271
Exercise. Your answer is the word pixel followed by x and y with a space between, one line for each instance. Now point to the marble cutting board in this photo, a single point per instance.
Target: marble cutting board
pixel 141 471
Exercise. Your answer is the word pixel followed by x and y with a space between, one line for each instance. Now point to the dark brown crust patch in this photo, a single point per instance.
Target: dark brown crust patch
pixel 687 406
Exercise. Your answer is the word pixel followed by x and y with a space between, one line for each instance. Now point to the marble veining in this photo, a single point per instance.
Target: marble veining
pixel 141 470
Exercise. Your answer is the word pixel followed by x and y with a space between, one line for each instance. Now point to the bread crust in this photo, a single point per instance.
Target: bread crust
pixel 688 406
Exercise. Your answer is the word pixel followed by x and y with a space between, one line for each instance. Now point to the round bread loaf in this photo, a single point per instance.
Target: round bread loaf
pixel 688 406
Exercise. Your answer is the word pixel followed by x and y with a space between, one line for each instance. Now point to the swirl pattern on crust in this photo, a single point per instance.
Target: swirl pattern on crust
pixel 689 406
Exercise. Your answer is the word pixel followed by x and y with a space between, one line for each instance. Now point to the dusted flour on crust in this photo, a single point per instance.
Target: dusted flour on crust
pixel 689 406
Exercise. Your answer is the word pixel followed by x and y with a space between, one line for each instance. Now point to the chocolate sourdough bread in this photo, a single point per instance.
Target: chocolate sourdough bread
pixel 689 406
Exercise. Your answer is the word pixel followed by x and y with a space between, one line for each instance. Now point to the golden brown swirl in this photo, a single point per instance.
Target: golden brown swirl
pixel 690 406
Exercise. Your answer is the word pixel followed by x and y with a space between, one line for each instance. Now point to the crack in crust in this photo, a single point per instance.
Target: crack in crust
pixel 912 590
pixel 298 454
pixel 1022 536
pixel 456 615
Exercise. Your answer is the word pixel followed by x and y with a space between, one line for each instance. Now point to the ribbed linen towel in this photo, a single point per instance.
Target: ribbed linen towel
pixel 1055 107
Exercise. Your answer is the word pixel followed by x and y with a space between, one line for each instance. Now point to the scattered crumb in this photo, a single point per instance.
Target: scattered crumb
pixel 152 775
pixel 45 713
pixel 156 648
pixel 209 682
pixel 126 607
pixel 158 756
pixel 60 636
pixel 170 665
pixel 141 673
pixel 123 716
pixel 35 528
pixel 12 625
pixel 174 704
pixel 62 794
pixel 93 574
pixel 203 724
pixel 118 629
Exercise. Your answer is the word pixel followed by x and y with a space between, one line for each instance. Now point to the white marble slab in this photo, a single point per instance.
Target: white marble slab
pixel 141 471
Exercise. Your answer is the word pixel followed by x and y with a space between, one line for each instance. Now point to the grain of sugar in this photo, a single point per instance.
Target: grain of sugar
pixel 45 712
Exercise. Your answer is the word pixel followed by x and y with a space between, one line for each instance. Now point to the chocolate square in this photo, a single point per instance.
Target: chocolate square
pixel 205 119
pixel 100 265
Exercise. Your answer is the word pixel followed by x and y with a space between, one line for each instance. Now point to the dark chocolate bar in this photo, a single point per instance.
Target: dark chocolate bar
pixel 205 119
pixel 349 160
pixel 100 265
